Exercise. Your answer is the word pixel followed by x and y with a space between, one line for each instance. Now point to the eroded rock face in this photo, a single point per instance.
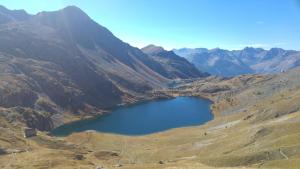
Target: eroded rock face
pixel 28 117
pixel 37 120
pixel 24 98
pixel 15 91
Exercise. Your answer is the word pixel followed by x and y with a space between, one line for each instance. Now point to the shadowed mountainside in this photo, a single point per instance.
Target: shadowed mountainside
pixel 176 66
pixel 63 61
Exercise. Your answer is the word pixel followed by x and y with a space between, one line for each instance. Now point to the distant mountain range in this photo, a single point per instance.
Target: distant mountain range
pixel 64 61
pixel 249 60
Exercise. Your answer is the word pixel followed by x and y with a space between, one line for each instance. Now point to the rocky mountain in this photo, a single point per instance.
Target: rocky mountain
pixel 57 67
pixel 246 61
pixel 63 61
pixel 216 61
pixel 12 15
pixel 176 66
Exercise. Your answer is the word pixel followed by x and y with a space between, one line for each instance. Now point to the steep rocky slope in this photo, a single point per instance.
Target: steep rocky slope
pixel 176 66
pixel 246 61
pixel 62 62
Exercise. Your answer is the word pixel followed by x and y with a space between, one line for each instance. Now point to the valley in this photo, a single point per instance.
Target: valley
pixel 61 67
pixel 261 131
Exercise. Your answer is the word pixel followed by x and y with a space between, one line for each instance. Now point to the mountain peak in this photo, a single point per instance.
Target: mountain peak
pixel 217 50
pixel 276 49
pixel 69 12
pixel 152 49
pixel 252 49
pixel 249 48
pixel 275 52
pixel 72 8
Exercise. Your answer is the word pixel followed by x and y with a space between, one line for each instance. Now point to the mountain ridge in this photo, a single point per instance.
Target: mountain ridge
pixel 63 61
pixel 178 67
pixel 245 61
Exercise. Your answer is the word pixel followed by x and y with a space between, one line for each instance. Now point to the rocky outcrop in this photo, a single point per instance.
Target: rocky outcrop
pixel 34 119
pixel 16 91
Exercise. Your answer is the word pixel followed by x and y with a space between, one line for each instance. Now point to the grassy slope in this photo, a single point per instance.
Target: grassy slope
pixel 257 125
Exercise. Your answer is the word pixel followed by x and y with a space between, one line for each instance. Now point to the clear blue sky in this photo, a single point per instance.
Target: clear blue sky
pixel 229 24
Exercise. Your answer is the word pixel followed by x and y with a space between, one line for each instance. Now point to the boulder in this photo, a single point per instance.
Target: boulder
pixel 29 132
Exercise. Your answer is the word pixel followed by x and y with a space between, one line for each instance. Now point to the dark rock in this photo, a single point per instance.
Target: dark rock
pixel 29 132
pixel 79 157
pixel 161 162
pixel 262 133
pixel 2 152
pixel 248 117
pixel 103 155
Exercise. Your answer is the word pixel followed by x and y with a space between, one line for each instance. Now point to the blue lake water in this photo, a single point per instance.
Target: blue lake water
pixel 146 118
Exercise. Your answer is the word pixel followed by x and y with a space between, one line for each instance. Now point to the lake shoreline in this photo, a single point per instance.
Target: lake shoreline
pixel 146 99
pixel 126 106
